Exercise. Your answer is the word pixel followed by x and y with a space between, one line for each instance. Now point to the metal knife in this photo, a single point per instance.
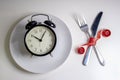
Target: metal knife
pixel 94 30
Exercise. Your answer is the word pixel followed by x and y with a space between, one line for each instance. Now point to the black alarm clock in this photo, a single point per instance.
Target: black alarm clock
pixel 40 39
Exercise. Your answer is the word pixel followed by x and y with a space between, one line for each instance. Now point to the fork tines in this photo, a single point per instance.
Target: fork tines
pixel 80 20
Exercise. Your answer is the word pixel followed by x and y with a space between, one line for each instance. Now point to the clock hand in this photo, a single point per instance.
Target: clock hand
pixel 42 35
pixel 35 37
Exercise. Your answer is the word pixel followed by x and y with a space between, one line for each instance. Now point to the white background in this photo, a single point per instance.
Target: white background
pixel 11 11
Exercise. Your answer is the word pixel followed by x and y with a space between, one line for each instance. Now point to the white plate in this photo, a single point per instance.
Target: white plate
pixel 37 64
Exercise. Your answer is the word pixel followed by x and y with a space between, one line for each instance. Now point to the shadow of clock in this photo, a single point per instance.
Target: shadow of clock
pixel 7 51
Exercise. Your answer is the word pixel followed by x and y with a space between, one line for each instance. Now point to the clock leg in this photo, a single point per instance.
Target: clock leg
pixel 32 55
pixel 51 55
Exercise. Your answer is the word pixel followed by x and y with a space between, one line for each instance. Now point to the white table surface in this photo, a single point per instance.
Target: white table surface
pixel 11 11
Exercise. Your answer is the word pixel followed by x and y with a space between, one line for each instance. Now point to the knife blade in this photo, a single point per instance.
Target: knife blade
pixel 95 24
pixel 94 31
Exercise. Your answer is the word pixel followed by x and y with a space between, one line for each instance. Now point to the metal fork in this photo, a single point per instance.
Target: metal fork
pixel 84 27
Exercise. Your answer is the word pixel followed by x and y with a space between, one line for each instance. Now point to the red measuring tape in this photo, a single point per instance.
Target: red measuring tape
pixel 92 41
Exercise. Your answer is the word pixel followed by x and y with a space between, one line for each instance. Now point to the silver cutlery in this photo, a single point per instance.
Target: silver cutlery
pixel 84 27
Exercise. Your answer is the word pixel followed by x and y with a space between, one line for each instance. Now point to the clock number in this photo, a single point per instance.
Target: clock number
pixel 46 48
pixel 29 40
pixel 35 49
pixel 31 45
pixel 50 45
pixel 49 34
pixel 35 31
pixel 40 50
pixel 40 30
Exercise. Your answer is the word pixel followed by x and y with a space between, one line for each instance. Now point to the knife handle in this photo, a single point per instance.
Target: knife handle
pixel 99 56
pixel 87 55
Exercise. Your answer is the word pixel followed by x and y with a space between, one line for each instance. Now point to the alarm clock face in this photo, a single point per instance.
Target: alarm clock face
pixel 40 40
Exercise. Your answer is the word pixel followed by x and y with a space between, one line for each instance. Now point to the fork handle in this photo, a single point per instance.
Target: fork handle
pixel 87 55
